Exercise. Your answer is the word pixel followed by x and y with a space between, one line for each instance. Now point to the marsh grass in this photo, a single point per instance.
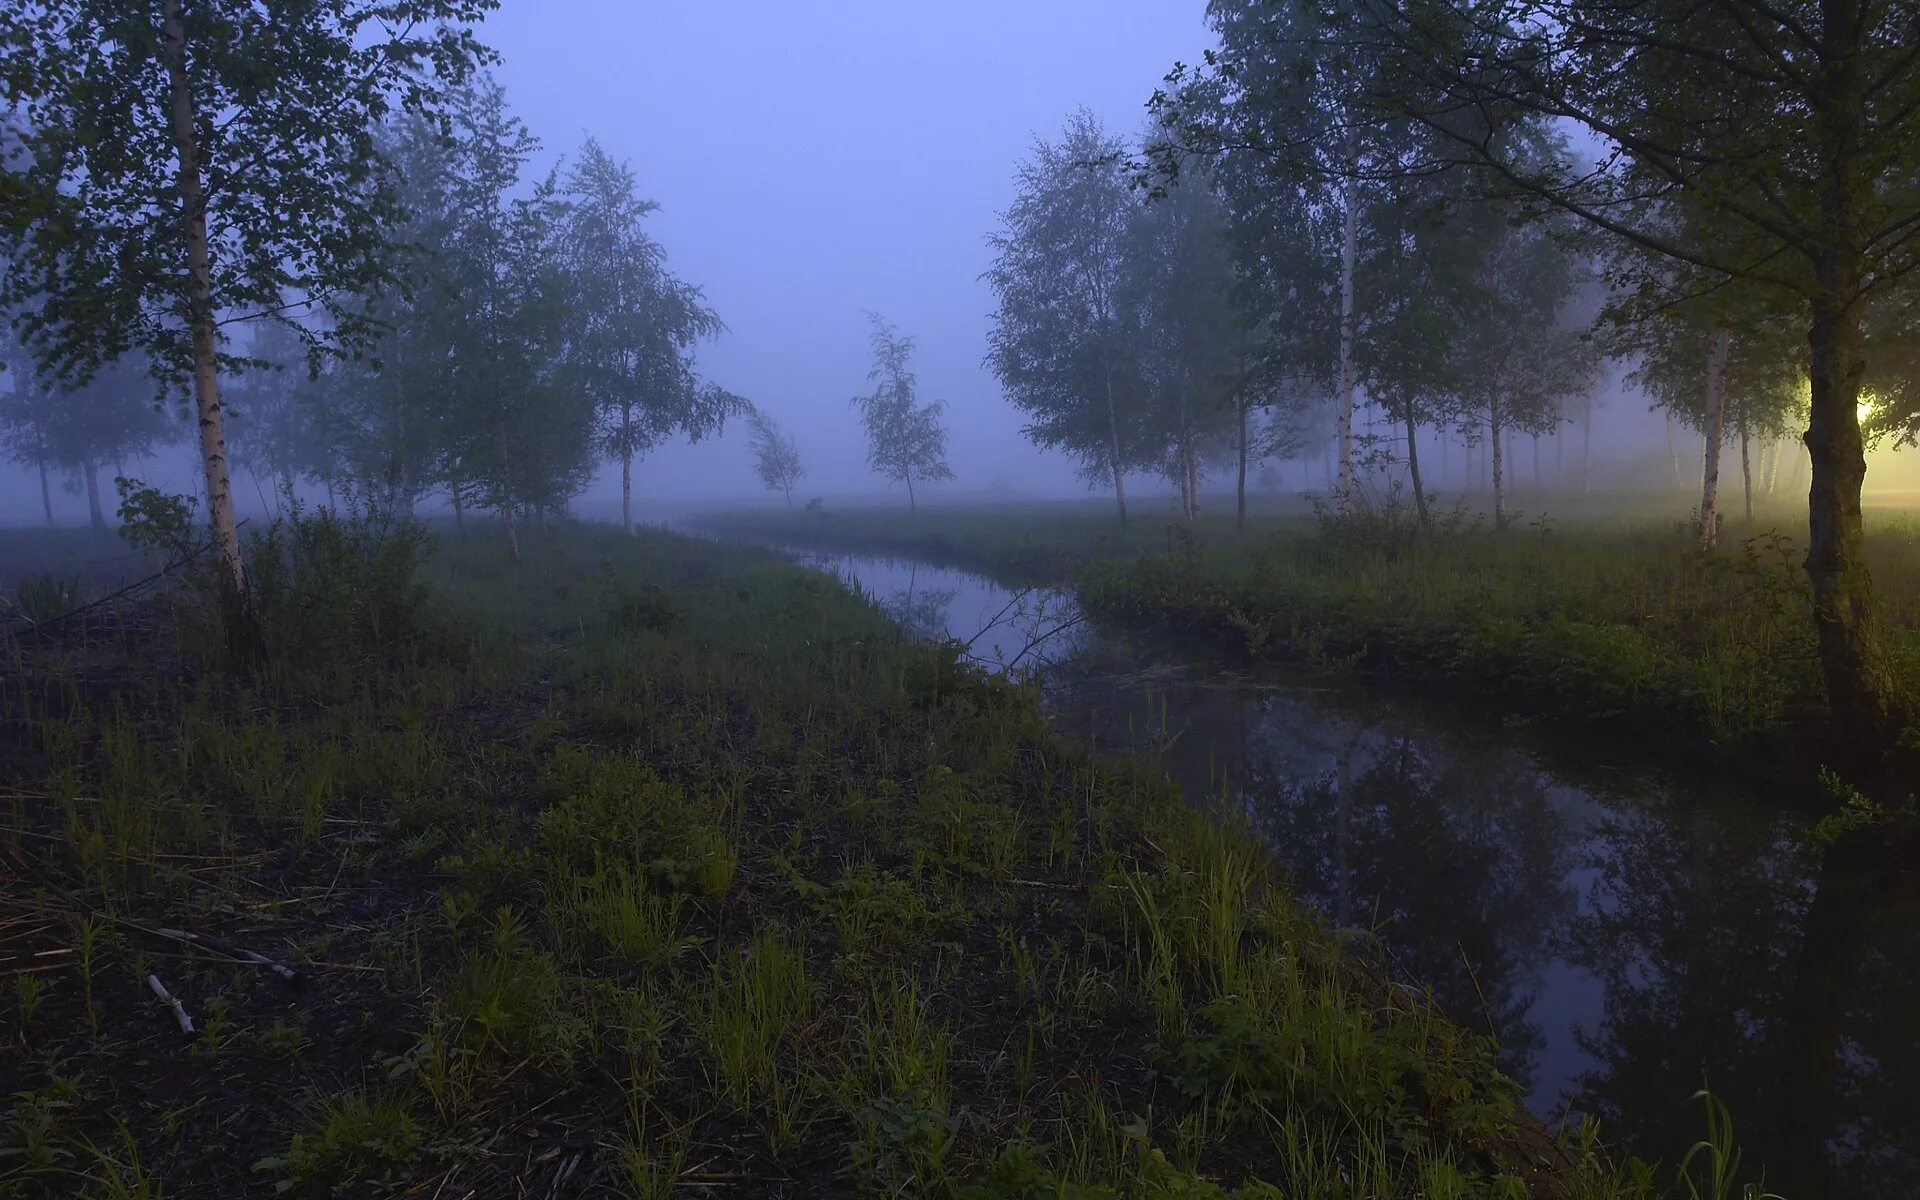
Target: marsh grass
pixel 649 1159
pixel 759 899
pixel 42 596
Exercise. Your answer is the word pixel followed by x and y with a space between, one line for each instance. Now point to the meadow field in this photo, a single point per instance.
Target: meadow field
pixel 658 867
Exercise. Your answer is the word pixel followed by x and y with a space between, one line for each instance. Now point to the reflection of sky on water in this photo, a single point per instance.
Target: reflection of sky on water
pixel 1007 630
pixel 1624 934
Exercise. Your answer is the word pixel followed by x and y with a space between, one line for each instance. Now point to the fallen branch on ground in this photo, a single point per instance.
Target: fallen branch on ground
pixel 166 997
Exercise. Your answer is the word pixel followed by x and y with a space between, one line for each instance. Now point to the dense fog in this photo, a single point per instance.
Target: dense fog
pixel 812 168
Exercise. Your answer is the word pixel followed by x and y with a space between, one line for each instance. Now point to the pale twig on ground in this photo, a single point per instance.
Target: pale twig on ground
pixel 230 950
pixel 167 998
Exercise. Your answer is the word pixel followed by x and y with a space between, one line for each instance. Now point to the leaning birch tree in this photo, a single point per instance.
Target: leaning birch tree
pixel 776 456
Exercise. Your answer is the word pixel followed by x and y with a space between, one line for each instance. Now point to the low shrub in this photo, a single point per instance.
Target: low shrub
pixel 333 589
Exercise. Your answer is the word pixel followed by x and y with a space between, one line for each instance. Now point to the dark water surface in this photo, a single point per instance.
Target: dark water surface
pixel 1625 933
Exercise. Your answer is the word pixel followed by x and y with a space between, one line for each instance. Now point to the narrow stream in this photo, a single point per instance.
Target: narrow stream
pixel 1626 935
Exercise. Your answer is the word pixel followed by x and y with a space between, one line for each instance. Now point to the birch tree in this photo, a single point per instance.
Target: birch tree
pixel 638 325
pixel 26 417
pixel 1713 433
pixel 1285 288
pixel 528 446
pixel 1412 358
pixel 112 418
pixel 393 421
pixel 1286 94
pixel 1724 376
pixel 905 440
pixel 776 457
pixel 279 424
pixel 1177 290
pixel 186 163
pixel 1720 356
pixel 1790 126
pixel 1059 344
pixel 1516 360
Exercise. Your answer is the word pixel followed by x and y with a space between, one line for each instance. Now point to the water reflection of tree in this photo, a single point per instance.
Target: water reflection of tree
pixel 1734 952
pixel 1725 947
pixel 1458 863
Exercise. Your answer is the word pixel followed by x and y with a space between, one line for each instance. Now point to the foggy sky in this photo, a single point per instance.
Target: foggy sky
pixel 814 161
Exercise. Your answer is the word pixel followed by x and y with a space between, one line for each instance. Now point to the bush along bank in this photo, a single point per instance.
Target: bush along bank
pixel 1711 658
pixel 644 866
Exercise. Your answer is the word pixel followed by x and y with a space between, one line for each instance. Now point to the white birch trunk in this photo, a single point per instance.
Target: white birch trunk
pixel 1716 416
pixel 206 378
pixel 626 469
pixel 626 493
pixel 95 517
pixel 1586 448
pixel 1499 467
pixel 1746 467
pixel 46 493
pixel 1349 251
pixel 1673 456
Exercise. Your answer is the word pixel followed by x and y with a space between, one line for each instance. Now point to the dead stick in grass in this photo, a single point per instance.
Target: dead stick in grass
pixel 230 950
pixel 167 998
pixel 205 940
pixel 52 623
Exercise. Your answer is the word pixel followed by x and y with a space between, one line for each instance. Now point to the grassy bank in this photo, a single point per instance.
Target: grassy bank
pixel 1610 622
pixel 655 868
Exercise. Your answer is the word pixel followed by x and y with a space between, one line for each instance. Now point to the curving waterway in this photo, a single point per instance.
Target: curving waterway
pixel 1626 934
